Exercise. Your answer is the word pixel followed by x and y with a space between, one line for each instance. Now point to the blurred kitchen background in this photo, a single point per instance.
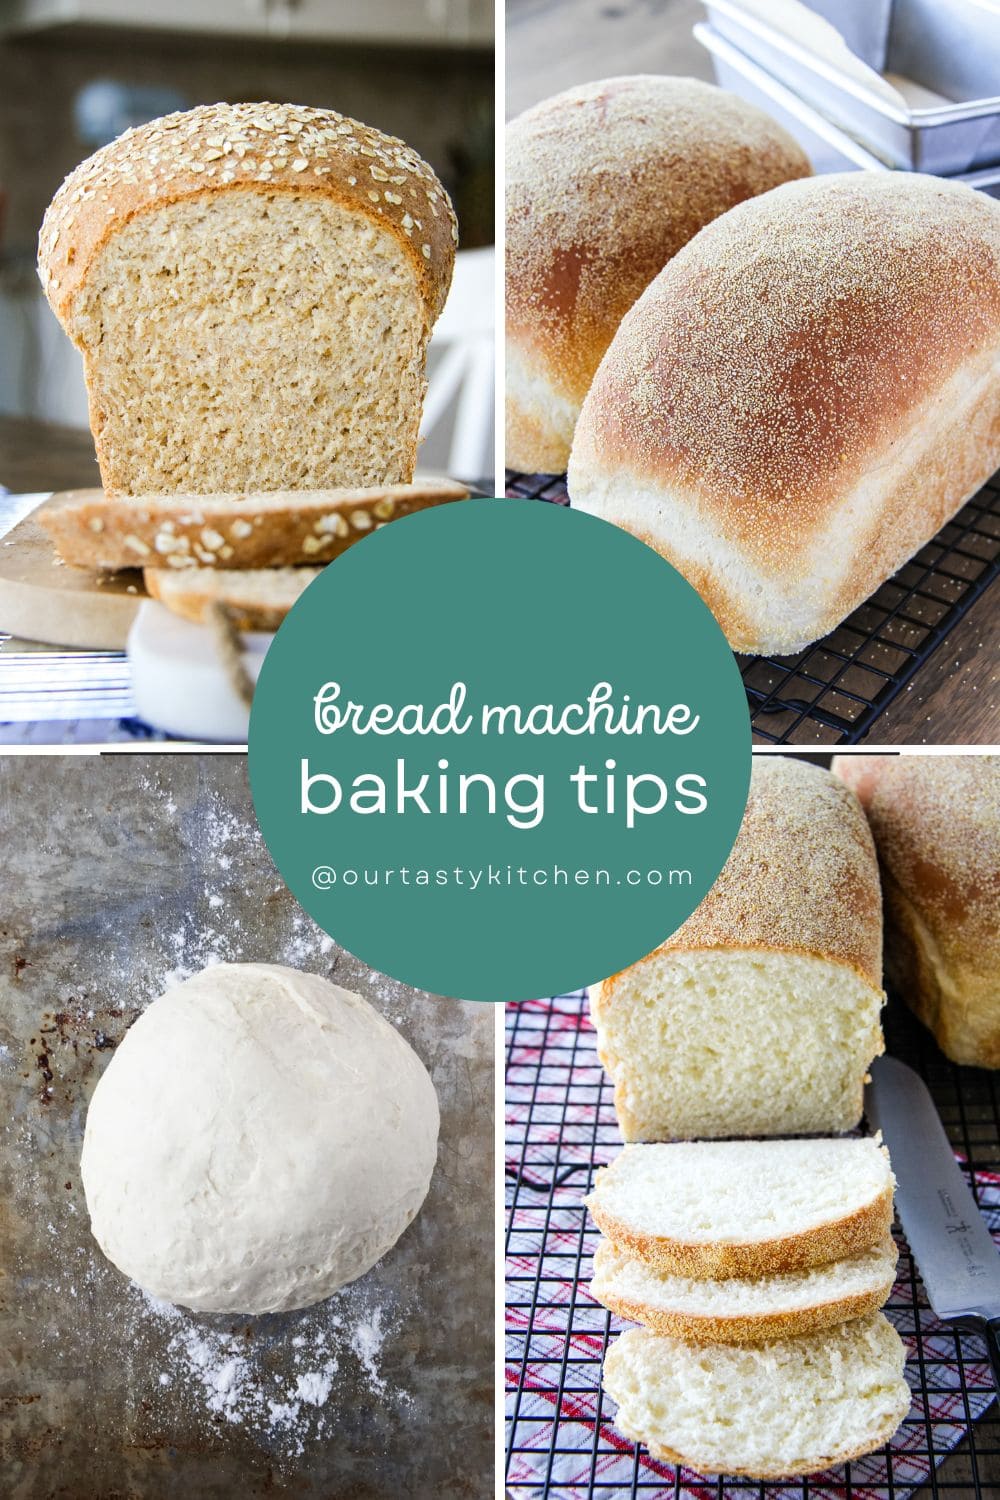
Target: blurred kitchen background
pixel 866 85
pixel 75 73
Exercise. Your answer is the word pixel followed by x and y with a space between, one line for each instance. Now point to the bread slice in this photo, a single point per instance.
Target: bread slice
pixel 277 530
pixel 257 599
pixel 740 1311
pixel 760 1014
pixel 773 1411
pixel 717 1209
pixel 252 287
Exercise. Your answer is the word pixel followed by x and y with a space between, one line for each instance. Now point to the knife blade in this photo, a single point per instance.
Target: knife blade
pixel 951 1244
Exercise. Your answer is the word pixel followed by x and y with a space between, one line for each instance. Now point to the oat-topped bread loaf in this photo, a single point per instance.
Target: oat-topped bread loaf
pixel 796 1406
pixel 936 821
pixel 252 287
pixel 760 1014
pixel 803 397
pixel 605 183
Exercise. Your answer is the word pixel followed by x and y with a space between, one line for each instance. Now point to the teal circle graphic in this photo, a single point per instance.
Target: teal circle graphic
pixel 499 749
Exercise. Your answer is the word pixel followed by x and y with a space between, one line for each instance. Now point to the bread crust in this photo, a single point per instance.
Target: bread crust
pixel 749 420
pixel 248 148
pixel 91 530
pixel 834 1240
pixel 605 182
pixel 194 595
pixel 802 877
pixel 936 822
pixel 756 1330
pixel 817 1465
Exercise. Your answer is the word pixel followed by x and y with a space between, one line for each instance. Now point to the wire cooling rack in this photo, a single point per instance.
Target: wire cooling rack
pixel 561 1441
pixel 833 692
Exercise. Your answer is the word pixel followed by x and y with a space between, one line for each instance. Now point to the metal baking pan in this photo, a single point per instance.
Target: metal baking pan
pixel 864 25
pixel 828 148
pixel 951 47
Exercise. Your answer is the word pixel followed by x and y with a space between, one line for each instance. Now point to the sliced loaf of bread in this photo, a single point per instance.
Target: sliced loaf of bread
pixel 737 1310
pixel 257 599
pixel 252 287
pixel 718 1209
pixel 797 1406
pixel 760 1014
pixel 276 530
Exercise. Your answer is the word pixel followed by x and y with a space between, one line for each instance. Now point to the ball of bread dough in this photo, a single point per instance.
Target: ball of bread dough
pixel 260 1138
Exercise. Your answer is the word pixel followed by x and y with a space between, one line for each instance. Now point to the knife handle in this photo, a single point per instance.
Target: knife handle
pixel 991 1332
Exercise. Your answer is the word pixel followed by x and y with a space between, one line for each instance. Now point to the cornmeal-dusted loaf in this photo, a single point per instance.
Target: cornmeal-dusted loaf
pixel 274 530
pixel 798 1406
pixel 719 1209
pixel 254 599
pixel 741 1310
pixel 760 1014
pixel 605 183
pixel 803 397
pixel 936 821
pixel 252 287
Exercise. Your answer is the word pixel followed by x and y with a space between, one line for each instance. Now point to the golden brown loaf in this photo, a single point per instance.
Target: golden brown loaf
pixel 252 287
pixel 760 1014
pixel 228 531
pixel 936 821
pixel 805 394
pixel 605 183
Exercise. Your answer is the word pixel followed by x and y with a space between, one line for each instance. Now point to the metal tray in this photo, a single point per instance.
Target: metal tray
pixel 118 871
pixel 950 46
pixel 828 148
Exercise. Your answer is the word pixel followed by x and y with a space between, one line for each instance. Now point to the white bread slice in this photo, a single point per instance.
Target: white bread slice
pixel 257 599
pixel 773 1411
pixel 277 530
pixel 737 1310
pixel 714 1209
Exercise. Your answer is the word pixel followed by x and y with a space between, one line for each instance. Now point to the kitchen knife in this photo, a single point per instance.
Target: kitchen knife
pixel 953 1248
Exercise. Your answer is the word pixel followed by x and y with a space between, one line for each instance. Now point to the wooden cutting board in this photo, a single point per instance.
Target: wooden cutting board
pixel 43 599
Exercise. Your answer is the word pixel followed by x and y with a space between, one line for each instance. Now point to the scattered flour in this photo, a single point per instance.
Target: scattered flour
pixel 315 1387
pixel 277 1385
pixel 366 1341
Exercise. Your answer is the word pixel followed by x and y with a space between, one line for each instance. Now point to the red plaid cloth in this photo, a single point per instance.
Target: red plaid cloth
pixel 561 1436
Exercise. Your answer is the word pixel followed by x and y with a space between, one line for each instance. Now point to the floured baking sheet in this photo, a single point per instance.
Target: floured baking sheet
pixel 122 875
